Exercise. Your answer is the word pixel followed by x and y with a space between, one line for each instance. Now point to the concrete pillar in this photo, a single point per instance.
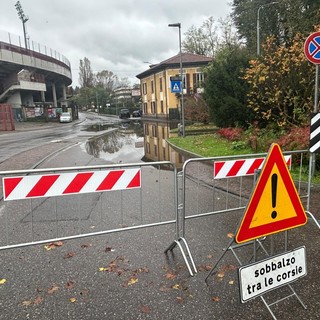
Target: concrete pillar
pixel 54 95
pixel 43 97
pixel 64 92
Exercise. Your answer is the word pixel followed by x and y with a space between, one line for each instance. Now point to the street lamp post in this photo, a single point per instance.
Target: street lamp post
pixel 24 19
pixel 258 24
pixel 178 25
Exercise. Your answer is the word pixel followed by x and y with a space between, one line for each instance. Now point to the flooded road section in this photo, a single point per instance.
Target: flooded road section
pixel 117 142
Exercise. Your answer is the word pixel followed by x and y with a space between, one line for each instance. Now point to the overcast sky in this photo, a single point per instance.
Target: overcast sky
pixel 115 35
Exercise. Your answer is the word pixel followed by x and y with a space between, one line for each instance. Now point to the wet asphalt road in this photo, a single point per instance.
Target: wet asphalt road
pixel 126 275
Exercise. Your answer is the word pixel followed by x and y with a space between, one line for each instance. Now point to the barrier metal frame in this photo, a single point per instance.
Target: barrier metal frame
pixel 181 241
pixel 62 170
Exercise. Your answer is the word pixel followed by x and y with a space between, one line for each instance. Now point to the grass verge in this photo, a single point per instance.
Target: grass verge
pixel 209 145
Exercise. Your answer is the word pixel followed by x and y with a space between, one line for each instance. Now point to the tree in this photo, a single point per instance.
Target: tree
pixel 196 109
pixel 107 80
pixel 210 37
pixel 85 74
pixel 282 19
pixel 281 84
pixel 201 40
pixel 228 35
pixel 124 83
pixel 224 88
pixel 85 97
pixel 245 15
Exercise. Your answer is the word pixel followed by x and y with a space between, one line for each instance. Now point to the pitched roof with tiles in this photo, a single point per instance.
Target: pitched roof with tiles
pixel 188 60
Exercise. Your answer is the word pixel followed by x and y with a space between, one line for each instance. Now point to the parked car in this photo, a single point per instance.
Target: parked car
pixel 124 113
pixel 65 117
pixel 136 113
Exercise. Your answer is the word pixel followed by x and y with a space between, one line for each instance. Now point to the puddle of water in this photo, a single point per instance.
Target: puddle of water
pixel 98 127
pixel 124 145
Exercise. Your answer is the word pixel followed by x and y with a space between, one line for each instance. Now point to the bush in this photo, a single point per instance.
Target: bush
pixel 295 139
pixel 231 134
pixel 260 139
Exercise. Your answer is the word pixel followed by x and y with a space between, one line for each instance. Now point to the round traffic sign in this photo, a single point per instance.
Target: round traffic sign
pixel 312 48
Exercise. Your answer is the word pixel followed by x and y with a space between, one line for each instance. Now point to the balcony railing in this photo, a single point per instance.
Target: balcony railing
pixel 14 43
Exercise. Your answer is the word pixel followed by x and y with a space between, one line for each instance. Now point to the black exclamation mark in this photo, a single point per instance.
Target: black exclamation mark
pixel 274 183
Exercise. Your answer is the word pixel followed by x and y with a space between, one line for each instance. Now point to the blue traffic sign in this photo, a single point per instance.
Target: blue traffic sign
pixel 312 48
pixel 176 86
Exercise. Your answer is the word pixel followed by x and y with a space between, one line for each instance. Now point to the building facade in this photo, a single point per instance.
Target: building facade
pixel 156 97
pixel 33 81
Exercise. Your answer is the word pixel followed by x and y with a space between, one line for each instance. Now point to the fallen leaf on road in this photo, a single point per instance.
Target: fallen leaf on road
pixel 176 286
pixel 231 282
pixel 170 276
pixel 120 271
pixel 86 245
pixel 104 269
pixel 27 303
pixel 69 284
pixel 145 309
pixel 73 300
pixel 230 235
pixel 53 245
pixel 132 281
pixel 215 299
pixel 53 289
pixel 204 267
pixel 69 255
pixel 141 270
pixel 180 300
pixel 38 300
pixel 3 281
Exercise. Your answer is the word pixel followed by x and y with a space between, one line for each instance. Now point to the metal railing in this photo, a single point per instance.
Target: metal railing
pixel 202 194
pixel 41 219
pixel 44 52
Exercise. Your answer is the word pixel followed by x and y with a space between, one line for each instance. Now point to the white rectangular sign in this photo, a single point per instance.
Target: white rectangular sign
pixel 258 278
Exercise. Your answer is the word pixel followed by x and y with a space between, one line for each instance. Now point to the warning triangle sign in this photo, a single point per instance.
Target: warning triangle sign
pixel 275 204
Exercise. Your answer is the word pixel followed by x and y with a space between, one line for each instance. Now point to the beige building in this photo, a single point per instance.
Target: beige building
pixel 156 97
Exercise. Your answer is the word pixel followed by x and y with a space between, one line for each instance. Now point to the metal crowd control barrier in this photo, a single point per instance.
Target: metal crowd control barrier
pixel 220 185
pixel 47 205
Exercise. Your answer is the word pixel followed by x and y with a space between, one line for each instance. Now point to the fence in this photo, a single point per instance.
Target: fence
pixel 45 205
pixel 16 41
pixel 61 204
pixel 220 185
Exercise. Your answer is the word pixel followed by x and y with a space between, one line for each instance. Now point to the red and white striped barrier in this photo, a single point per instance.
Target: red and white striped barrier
pixel 238 168
pixel 70 183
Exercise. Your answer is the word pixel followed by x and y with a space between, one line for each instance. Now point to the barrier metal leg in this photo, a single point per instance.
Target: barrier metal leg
pixel 313 218
pixel 189 254
pixel 268 307
pixel 221 257
pixel 284 298
pixel 180 231
pixel 184 255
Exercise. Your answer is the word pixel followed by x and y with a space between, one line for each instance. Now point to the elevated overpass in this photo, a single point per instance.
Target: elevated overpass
pixel 33 78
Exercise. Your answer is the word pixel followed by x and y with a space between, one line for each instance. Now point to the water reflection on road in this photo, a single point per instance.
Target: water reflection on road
pixel 121 142
pixel 131 141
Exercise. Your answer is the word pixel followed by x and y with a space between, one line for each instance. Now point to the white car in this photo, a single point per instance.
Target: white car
pixel 65 117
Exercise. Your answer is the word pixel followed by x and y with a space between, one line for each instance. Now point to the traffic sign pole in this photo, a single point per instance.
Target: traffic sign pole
pixel 312 53
pixel 315 108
